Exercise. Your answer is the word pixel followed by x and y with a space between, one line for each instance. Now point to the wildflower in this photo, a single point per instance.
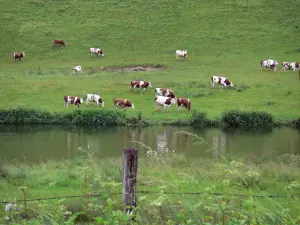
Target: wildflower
pixel 11 207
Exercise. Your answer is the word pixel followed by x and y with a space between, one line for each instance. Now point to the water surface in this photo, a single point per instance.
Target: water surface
pixel 35 143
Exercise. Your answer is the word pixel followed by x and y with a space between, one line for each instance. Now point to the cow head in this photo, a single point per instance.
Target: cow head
pixel 100 52
pixel 23 53
pixel 81 100
pixel 173 100
pixel 185 53
pixel 149 85
pixel 101 102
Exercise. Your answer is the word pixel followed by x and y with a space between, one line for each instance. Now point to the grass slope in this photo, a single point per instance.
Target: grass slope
pixel 223 37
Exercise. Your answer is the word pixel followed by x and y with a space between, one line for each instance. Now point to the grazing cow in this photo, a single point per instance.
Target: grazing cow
pixel 18 55
pixel 72 100
pixel 164 101
pixel 186 102
pixel 97 51
pixel 270 63
pixel 77 69
pixel 139 84
pixel 59 43
pixel 94 98
pixel 290 66
pixel 181 53
pixel 123 103
pixel 221 80
pixel 165 92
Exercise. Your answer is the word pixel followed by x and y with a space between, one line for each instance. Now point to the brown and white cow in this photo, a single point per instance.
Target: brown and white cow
pixel 123 103
pixel 97 51
pixel 59 43
pixel 139 84
pixel 290 66
pixel 164 101
pixel 18 55
pixel 221 80
pixel 186 102
pixel 165 92
pixel 94 98
pixel 72 100
pixel 269 63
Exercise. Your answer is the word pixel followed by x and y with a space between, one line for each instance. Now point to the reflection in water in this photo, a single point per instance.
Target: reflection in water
pixel 39 143
pixel 162 140
pixel 218 145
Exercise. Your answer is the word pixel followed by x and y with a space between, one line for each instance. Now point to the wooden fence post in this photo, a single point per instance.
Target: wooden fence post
pixel 129 174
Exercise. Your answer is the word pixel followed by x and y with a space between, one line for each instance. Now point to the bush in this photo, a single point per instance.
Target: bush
pixel 36 116
pixel 297 123
pixel 199 119
pixel 238 119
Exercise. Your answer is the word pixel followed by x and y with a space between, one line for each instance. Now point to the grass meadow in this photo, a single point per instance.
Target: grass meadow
pixel 227 38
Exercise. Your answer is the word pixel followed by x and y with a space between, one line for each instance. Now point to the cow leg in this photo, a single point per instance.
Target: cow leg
pixel 179 108
pixel 87 101
pixel 66 104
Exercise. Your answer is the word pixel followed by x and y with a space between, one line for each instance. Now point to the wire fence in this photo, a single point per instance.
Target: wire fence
pixel 154 192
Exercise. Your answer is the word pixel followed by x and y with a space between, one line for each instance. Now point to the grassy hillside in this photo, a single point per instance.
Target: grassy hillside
pixel 228 38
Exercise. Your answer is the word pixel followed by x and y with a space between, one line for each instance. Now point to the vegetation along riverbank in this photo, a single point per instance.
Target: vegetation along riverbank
pixel 231 119
pixel 171 187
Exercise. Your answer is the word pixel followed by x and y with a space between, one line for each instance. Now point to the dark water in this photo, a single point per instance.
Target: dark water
pixel 39 143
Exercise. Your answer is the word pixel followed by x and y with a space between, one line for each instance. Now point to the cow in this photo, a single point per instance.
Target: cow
pixel 18 55
pixel 290 66
pixel 269 63
pixel 181 53
pixel 72 100
pixel 164 101
pixel 165 92
pixel 123 103
pixel 97 51
pixel 94 98
pixel 186 102
pixel 59 43
pixel 77 69
pixel 139 84
pixel 222 81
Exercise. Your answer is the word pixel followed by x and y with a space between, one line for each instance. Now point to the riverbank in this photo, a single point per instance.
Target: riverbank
pixel 102 117
pixel 171 188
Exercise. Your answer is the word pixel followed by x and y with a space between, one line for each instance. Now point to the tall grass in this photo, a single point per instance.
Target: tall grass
pixel 160 171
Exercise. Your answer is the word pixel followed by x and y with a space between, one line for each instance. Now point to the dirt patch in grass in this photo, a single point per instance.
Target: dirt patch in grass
pixel 134 68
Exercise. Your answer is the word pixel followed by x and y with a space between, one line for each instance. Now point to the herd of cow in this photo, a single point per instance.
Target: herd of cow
pixel 163 96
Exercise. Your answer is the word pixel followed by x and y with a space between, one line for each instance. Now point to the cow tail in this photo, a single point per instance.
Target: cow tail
pixel 189 104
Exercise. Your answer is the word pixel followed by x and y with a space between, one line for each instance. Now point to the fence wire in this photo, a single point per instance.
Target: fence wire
pixel 153 192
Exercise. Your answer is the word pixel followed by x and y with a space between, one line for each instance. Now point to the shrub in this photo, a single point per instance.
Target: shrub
pixel 238 119
pixel 297 123
pixel 36 116
pixel 199 119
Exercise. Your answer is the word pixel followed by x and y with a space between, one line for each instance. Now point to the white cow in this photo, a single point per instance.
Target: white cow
pixel 269 63
pixel 97 51
pixel 221 80
pixel 181 53
pixel 164 101
pixel 77 69
pixel 290 66
pixel 94 98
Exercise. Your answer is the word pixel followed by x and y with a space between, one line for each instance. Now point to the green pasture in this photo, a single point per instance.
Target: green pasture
pixel 227 38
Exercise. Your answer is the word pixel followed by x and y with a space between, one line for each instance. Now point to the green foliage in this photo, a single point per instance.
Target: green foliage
pixel 297 123
pixel 238 119
pixel 199 119
pixel 36 116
